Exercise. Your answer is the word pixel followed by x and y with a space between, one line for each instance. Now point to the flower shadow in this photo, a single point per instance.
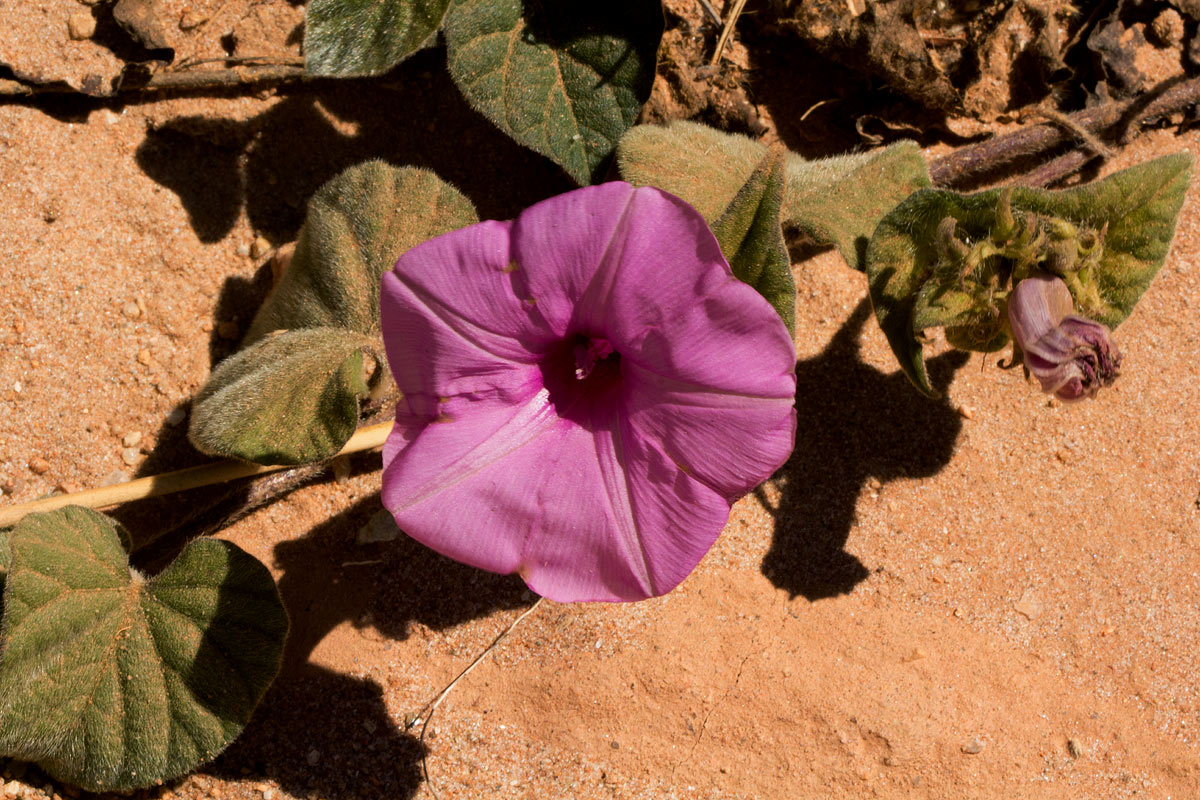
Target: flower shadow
pixel 855 422
pixel 323 734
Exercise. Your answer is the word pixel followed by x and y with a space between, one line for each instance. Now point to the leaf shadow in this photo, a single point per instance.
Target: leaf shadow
pixel 270 164
pixel 328 579
pixel 855 422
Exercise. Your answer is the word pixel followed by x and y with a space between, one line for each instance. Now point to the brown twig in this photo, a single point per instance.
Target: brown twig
pixel 189 80
pixel 1112 122
pixel 727 31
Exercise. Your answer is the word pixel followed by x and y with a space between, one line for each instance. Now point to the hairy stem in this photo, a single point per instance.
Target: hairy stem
pixel 1116 122
pixel 366 438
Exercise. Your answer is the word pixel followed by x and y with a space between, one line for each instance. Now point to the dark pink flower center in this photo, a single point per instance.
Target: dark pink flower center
pixel 582 375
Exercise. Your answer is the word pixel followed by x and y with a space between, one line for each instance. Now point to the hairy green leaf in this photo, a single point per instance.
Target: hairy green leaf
pixel 291 398
pixel 836 201
pixel 840 200
pixel 367 37
pixel 5 560
pixel 699 164
pixel 752 240
pixel 358 224
pixel 112 681
pixel 942 258
pixel 563 79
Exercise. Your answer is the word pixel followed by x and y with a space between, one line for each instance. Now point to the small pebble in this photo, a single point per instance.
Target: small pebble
pixel 81 25
pixel 1074 747
pixel 176 416
pixel 109 116
pixel 130 455
pixel 227 330
pixel 131 310
pixel 115 477
pixel 1028 606
pixel 268 794
pixel 966 412
pixel 115 429
pixel 916 655
pixel 1168 28
pixel 38 465
pixel 259 248
pixel 143 357
pixel 382 527
pixel 370 725
pixel 52 210
pixel 313 757
pixel 243 249
pixel 973 747
pixel 132 439
pixel 191 19
pixel 12 486
pixel 66 487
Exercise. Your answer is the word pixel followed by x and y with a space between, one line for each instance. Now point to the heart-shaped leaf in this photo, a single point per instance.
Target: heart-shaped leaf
pixel 291 398
pixel 752 240
pixel 112 681
pixel 358 224
pixel 564 79
pixel 840 200
pixel 836 201
pixel 255 401
pixel 367 37
pixel 1106 240
pixel 699 164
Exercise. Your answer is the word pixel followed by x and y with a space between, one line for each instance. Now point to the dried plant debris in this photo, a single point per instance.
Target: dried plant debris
pixel 142 20
pixel 986 60
pixel 879 39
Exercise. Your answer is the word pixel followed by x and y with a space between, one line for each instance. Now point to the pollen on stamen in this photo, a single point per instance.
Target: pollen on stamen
pixel 512 267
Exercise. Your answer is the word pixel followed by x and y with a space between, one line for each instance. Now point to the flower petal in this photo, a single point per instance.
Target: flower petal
pixel 683 314
pixel 467 280
pixel 581 515
pixel 730 442
pixel 560 246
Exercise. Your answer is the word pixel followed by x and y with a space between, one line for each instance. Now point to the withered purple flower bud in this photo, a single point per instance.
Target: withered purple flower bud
pixel 1072 356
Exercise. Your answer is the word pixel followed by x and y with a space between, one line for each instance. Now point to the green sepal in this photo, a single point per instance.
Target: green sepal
pixel 358 224
pixel 834 201
pixel 112 681
pixel 349 38
pixel 563 79
pixel 941 307
pixel 752 240
pixel 291 398
pixel 1130 214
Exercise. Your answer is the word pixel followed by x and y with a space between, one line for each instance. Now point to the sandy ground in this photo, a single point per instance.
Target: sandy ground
pixel 994 595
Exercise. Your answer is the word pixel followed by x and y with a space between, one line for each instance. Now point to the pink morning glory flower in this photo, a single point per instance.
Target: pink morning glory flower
pixel 1071 356
pixel 585 391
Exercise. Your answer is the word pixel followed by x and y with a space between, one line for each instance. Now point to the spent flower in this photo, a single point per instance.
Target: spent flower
pixel 1072 356
pixel 585 391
